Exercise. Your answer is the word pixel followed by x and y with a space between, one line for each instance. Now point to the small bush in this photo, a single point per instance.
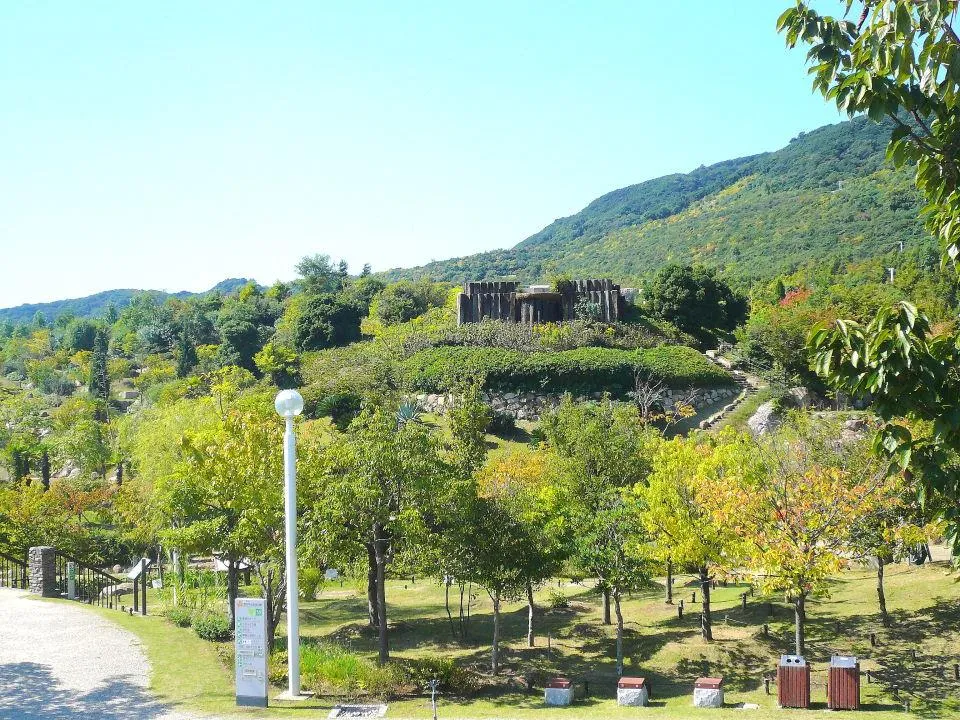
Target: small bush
pixel 180 616
pixel 212 626
pixel 502 424
pixel 310 581
pixel 558 600
pixel 453 678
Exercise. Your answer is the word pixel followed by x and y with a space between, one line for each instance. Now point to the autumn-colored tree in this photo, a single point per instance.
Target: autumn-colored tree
pixel 792 500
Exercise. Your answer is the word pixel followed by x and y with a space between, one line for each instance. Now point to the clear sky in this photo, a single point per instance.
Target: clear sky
pixel 170 145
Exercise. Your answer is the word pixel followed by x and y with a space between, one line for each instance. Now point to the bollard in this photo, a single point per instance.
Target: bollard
pixel 680 611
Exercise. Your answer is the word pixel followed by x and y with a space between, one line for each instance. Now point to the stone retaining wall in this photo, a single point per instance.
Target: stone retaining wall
pixel 531 405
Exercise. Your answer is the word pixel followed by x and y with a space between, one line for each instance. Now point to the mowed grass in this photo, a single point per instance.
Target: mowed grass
pixel 925 603
pixel 658 645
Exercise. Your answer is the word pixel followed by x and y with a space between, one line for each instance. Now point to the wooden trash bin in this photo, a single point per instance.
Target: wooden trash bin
pixel 633 691
pixel 843 683
pixel 708 692
pixel 793 682
pixel 559 692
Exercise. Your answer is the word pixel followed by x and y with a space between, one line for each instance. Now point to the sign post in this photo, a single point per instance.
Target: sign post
pixel 71 580
pixel 250 651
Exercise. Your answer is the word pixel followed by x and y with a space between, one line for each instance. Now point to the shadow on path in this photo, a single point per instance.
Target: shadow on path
pixel 29 691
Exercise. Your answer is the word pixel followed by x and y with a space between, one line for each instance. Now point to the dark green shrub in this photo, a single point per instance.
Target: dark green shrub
pixel 180 616
pixel 341 408
pixel 453 679
pixel 212 626
pixel 502 424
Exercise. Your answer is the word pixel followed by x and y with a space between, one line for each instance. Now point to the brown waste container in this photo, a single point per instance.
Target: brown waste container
pixel 793 682
pixel 843 683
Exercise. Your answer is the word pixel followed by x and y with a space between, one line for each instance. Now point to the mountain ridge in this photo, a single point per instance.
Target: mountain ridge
pixel 92 305
pixel 629 232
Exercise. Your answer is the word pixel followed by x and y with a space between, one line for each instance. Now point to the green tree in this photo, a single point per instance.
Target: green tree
pixel 607 448
pixel 324 321
pixel 372 491
pixel 317 274
pixel 80 334
pixel 99 385
pixel 678 512
pixel 693 298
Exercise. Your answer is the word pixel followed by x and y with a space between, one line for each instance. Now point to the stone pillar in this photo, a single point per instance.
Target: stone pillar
pixel 41 562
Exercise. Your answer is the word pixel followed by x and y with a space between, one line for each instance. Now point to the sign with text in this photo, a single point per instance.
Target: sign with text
pixel 250 644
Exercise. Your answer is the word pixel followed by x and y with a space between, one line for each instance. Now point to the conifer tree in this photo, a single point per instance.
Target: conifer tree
pixel 99 377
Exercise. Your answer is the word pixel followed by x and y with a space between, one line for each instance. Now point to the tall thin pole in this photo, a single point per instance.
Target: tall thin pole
pixel 293 592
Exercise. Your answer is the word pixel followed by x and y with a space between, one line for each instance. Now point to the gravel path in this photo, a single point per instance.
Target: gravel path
pixel 59 661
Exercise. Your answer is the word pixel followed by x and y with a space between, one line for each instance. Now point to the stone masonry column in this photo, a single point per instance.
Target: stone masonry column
pixel 41 562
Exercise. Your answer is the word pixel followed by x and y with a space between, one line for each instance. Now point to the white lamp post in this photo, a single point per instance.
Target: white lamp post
pixel 289 404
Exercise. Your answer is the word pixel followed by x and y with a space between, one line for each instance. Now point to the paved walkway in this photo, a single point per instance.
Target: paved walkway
pixel 62 661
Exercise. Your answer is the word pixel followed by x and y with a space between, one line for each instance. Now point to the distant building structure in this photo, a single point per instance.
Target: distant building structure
pixel 508 302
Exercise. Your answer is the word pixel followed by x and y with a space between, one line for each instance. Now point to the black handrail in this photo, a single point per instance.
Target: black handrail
pixel 13 572
pixel 90 585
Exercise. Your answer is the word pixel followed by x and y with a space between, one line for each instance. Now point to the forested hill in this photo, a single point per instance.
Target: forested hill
pixel 93 305
pixel 827 200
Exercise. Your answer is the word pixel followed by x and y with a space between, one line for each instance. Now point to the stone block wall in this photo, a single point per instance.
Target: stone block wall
pixel 531 405
pixel 42 570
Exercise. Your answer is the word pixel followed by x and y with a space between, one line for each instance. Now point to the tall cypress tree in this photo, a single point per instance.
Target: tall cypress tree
pixel 99 377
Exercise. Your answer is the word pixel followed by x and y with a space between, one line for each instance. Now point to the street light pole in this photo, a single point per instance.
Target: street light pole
pixel 289 404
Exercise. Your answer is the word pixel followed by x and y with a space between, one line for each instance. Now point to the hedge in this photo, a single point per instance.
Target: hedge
pixel 580 371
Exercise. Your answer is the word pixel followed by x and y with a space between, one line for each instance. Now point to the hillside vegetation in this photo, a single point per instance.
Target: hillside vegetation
pixel 827 197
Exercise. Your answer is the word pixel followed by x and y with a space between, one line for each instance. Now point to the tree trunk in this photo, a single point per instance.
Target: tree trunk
pixel 669 581
pixel 446 601
pixel 120 473
pixel 382 641
pixel 463 626
pixel 705 591
pixel 529 615
pixel 495 650
pixel 800 618
pixel 881 597
pixel 616 605
pixel 232 591
pixel 372 588
pixel 606 605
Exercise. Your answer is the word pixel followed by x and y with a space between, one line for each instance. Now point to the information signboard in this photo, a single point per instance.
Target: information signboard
pixel 250 638
pixel 71 580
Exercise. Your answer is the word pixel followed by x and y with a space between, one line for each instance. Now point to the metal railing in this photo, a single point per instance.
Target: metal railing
pixel 13 572
pixel 78 581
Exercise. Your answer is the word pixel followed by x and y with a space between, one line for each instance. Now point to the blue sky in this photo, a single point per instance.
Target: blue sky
pixel 170 145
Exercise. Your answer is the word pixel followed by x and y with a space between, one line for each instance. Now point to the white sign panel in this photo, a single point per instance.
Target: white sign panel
pixel 250 638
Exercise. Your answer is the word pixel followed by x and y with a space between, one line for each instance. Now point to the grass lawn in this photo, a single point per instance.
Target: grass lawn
pixel 925 603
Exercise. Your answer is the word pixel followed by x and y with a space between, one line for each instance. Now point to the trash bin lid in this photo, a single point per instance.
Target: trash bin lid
pixel 562 683
pixel 843 661
pixel 631 683
pixel 792 661
pixel 709 683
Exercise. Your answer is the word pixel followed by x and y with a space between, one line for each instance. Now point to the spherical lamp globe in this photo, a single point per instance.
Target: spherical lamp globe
pixel 288 403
